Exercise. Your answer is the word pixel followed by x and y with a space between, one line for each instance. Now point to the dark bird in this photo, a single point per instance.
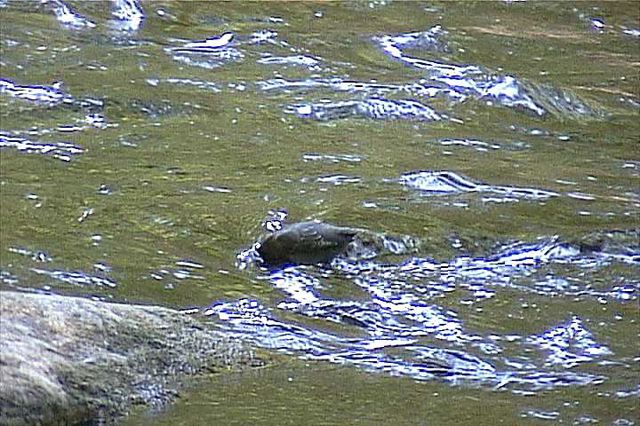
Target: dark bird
pixel 305 243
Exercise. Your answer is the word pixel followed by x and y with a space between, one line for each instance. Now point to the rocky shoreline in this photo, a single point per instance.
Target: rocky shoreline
pixel 67 360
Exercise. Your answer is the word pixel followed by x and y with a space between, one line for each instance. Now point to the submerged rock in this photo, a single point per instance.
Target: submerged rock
pixel 305 243
pixel 65 360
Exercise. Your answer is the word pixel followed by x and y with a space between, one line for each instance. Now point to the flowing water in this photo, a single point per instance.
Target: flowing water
pixel 489 149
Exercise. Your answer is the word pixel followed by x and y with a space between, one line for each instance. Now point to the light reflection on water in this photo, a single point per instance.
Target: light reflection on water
pixel 405 306
pixel 195 121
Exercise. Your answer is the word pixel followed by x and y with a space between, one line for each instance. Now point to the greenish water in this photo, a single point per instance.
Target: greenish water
pixel 329 395
pixel 184 172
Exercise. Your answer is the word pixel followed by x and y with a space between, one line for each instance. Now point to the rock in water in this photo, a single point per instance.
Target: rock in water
pixel 68 360
pixel 305 243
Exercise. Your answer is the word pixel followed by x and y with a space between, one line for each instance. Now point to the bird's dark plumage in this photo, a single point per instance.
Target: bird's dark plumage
pixel 305 243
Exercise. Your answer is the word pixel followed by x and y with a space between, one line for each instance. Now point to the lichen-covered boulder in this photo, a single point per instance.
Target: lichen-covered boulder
pixel 65 360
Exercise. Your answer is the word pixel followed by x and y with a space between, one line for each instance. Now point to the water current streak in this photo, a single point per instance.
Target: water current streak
pixel 76 278
pixel 400 329
pixel 63 151
pixel 128 15
pixel 374 108
pixel 445 182
pixel 68 17
pixel 470 81
pixel 46 95
pixel 43 95
pixel 209 53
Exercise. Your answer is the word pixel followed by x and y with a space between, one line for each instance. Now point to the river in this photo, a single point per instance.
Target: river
pixel 489 148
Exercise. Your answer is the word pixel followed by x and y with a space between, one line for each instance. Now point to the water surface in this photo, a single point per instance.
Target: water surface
pixel 490 149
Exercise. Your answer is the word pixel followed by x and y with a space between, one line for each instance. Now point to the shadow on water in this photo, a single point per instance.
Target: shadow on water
pixel 487 150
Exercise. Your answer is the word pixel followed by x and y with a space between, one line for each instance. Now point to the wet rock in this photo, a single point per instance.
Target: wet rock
pixel 305 243
pixel 65 360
